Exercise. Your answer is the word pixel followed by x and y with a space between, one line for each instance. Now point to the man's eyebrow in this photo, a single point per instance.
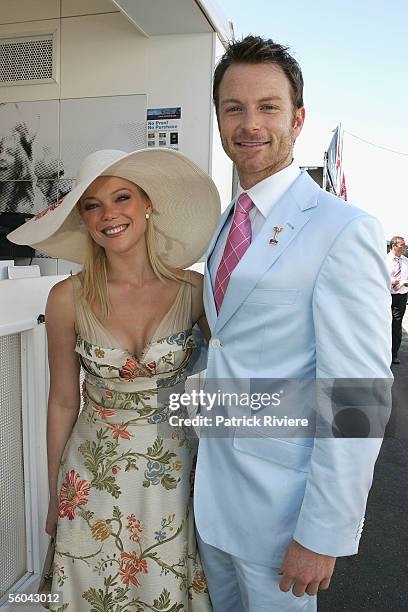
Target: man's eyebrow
pixel 230 101
pixel 269 98
pixel 265 99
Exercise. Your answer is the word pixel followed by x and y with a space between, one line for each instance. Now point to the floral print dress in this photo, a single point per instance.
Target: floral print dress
pixel 125 539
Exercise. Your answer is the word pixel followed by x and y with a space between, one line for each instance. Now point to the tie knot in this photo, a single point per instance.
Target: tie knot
pixel 244 203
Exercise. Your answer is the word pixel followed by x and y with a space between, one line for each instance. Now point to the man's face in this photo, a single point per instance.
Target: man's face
pixel 399 248
pixel 258 124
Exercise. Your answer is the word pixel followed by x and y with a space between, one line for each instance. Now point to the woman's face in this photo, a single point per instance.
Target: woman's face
pixel 114 209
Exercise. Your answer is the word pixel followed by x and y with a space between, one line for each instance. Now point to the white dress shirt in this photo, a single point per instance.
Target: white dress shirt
pixel 264 195
pixel 391 263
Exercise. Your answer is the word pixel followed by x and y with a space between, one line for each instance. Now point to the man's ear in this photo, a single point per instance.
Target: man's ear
pixel 299 120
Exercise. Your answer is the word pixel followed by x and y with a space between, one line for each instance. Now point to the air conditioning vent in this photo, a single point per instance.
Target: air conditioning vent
pixel 27 60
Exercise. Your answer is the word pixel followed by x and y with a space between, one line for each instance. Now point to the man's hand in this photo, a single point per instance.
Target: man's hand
pixel 394 282
pixel 305 570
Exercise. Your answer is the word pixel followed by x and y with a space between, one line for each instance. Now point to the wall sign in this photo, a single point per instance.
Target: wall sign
pixel 164 127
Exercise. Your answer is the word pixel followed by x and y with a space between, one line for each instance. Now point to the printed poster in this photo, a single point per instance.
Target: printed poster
pixel 164 127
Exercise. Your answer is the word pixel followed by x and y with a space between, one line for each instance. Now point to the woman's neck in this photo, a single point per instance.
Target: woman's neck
pixel 132 267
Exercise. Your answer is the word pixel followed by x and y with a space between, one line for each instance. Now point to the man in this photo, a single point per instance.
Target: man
pixel 296 288
pixel 397 265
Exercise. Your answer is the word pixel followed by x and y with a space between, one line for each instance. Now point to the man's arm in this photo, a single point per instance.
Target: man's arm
pixel 352 318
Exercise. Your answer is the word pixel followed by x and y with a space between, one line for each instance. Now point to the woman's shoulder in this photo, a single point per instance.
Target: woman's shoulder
pixel 197 308
pixel 61 298
pixel 196 278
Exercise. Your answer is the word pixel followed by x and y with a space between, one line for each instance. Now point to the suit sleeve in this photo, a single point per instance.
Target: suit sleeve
pixel 352 319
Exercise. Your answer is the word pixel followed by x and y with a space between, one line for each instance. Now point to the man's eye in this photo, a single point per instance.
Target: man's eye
pixel 268 107
pixel 233 109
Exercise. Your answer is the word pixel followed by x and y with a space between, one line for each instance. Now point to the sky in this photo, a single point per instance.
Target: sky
pixel 354 59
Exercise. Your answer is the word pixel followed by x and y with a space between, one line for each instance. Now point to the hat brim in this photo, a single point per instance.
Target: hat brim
pixel 185 200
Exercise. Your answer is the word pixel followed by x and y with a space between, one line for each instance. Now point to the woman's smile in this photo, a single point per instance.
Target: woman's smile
pixel 115 230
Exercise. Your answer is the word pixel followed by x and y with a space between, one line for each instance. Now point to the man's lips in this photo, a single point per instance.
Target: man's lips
pixel 115 230
pixel 252 145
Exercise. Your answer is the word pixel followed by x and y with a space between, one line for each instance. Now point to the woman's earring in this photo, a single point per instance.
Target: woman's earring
pixel 147 215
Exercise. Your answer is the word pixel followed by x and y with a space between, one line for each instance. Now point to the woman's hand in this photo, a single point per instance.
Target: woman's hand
pixel 52 518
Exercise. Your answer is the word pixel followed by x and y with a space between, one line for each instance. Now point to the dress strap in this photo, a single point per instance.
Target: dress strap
pixel 86 323
pixel 179 317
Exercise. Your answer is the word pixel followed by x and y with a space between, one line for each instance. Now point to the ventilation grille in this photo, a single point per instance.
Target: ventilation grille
pixel 12 501
pixel 26 60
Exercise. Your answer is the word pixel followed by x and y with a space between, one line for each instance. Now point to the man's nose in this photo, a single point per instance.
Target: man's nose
pixel 251 120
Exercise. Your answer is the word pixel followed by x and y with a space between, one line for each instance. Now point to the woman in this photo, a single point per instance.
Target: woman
pixel 119 475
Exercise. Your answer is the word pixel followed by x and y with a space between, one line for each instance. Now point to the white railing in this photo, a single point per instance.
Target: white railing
pixel 25 355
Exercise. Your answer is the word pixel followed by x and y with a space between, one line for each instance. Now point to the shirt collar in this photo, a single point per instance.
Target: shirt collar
pixel 266 193
pixel 392 256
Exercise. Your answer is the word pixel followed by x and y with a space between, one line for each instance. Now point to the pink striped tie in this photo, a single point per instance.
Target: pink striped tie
pixel 239 239
pixel 397 269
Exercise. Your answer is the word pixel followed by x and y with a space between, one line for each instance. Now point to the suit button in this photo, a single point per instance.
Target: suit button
pixel 215 343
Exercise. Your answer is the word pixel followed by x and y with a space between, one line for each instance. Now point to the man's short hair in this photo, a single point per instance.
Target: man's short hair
pixel 258 50
pixel 396 239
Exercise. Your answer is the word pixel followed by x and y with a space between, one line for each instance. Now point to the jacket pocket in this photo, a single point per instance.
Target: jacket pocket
pixel 273 297
pixel 288 454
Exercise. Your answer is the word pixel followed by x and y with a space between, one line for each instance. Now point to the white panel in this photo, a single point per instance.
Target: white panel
pixel 48 266
pixel 40 91
pixel 23 300
pixel 68 267
pixel 28 10
pixel 13 560
pixel 216 16
pixel 160 17
pixel 70 8
pixel 101 55
pixel 90 124
pixel 29 133
pixel 179 74
pixel 221 165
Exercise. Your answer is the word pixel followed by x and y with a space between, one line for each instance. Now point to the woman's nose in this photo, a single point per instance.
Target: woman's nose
pixel 109 211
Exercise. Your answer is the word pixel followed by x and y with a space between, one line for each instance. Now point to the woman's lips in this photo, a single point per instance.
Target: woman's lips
pixel 115 230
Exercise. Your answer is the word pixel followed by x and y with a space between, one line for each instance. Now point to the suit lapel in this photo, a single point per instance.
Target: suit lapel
pixel 209 302
pixel 291 213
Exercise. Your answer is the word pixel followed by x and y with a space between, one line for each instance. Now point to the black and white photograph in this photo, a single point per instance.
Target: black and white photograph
pixel 28 155
pixel 42 142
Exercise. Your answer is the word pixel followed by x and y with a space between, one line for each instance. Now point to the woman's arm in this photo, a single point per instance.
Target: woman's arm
pixel 64 397
pixel 198 312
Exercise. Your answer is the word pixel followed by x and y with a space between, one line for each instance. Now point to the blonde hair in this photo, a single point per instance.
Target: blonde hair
pixel 94 276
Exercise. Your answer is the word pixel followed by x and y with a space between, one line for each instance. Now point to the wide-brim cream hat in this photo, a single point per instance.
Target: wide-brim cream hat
pixel 185 200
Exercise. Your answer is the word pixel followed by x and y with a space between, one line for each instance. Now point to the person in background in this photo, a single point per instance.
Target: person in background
pixel 397 265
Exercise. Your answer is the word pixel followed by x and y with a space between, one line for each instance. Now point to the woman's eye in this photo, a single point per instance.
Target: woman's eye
pixel 123 197
pixel 90 206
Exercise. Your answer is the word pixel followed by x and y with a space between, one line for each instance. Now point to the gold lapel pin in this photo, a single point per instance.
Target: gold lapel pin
pixel 277 231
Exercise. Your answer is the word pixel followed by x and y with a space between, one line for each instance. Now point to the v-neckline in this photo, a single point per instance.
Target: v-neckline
pixel 148 344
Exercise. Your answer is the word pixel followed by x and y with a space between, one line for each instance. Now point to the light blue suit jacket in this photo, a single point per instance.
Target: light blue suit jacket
pixel 314 306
